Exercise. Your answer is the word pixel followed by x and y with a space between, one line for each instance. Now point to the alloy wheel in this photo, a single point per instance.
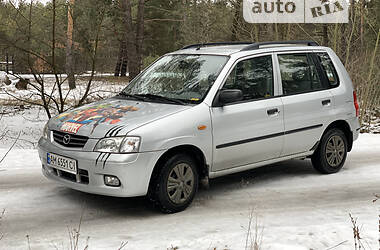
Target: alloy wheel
pixel 335 150
pixel 180 183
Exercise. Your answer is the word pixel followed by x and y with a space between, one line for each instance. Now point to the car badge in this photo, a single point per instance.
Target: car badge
pixel 66 139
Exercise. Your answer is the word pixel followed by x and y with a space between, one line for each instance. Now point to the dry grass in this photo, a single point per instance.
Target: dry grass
pixel 75 238
pixel 1 217
pixel 74 234
pixel 172 248
pixel 254 235
pixel 356 234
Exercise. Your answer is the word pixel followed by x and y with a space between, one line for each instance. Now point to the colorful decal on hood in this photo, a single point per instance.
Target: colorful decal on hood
pixel 95 115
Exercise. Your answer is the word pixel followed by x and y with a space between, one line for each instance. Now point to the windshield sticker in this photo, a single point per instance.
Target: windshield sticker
pixel 94 115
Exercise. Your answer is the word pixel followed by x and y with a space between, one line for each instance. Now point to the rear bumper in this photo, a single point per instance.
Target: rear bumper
pixel 133 170
pixel 355 127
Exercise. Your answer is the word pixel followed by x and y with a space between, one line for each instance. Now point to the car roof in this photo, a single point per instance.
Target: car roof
pixel 245 49
pixel 225 50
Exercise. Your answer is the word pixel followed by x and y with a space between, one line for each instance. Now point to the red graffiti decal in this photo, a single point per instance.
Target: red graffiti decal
pixel 71 127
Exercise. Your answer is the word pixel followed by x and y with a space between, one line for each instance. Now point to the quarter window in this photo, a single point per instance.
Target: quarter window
pixel 328 68
pixel 298 74
pixel 254 77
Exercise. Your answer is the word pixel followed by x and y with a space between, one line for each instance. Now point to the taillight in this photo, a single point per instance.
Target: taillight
pixel 356 104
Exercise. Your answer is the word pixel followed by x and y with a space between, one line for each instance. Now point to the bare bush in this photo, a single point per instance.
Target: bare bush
pixel 368 89
pixel 52 100
pixel 2 135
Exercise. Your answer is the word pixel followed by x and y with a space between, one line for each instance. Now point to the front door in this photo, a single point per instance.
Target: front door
pixel 251 130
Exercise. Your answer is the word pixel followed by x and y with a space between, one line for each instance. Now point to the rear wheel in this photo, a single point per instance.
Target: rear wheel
pixel 176 184
pixel 331 153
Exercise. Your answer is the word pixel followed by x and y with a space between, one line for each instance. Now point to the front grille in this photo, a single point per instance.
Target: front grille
pixel 81 177
pixel 75 141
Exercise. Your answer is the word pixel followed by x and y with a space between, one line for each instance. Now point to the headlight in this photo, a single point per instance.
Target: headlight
pixel 128 144
pixel 45 131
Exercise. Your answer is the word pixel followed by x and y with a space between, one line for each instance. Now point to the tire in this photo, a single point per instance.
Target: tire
pixel 331 153
pixel 175 194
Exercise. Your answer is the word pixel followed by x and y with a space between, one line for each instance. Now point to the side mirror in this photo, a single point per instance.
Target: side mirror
pixel 226 96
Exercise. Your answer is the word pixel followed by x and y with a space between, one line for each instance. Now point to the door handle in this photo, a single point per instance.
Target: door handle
pixel 326 102
pixel 273 111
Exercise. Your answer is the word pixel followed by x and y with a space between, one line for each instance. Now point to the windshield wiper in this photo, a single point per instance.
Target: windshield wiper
pixel 136 97
pixel 161 98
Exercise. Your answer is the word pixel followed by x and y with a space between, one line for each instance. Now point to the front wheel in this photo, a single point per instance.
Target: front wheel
pixel 176 184
pixel 331 153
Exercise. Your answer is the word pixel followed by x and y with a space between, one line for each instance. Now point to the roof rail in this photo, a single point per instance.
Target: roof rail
pixel 199 45
pixel 254 46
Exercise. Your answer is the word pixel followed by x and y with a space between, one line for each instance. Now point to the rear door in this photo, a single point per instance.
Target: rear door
pixel 251 130
pixel 308 103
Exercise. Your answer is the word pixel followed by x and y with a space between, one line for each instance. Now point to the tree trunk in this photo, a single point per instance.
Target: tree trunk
pixel 119 60
pixel 325 37
pixel 13 65
pixel 362 8
pixel 235 22
pixel 69 46
pixel 140 33
pixel 7 63
pixel 124 61
pixel 257 32
pixel 133 40
pixel 352 14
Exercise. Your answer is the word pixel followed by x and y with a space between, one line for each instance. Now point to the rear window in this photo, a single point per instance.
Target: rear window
pixel 298 74
pixel 329 69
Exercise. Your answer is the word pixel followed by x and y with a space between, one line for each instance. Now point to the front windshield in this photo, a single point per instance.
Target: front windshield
pixel 185 78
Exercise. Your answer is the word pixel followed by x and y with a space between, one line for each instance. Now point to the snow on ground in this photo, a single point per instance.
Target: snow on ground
pixel 2 75
pixel 296 208
pixel 101 87
pixel 23 125
pixel 372 124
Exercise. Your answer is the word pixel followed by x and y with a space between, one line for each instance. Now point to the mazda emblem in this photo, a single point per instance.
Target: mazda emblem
pixel 66 139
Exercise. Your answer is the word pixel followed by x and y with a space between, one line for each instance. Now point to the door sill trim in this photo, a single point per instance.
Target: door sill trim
pixel 257 164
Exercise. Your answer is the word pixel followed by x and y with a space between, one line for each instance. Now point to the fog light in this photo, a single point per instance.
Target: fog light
pixel 112 181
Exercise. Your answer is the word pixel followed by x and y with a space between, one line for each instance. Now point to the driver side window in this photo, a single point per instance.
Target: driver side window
pixel 254 77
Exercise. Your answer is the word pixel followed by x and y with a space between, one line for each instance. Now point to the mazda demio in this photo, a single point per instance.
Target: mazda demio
pixel 205 111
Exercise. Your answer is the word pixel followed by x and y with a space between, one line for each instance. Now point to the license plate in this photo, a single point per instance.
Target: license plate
pixel 62 163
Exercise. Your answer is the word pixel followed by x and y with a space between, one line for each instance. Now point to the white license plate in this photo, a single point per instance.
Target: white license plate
pixel 62 163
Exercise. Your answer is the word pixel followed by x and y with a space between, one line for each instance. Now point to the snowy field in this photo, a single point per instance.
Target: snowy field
pixel 296 208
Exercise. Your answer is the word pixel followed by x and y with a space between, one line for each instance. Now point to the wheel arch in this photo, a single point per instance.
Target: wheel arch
pixel 191 150
pixel 345 127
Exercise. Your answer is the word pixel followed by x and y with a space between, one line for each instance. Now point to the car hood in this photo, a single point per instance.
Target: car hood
pixel 111 117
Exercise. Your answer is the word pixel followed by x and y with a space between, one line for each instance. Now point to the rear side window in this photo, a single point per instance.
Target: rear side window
pixel 254 77
pixel 328 69
pixel 298 74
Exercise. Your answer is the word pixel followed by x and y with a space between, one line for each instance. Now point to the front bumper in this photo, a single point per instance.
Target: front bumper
pixel 133 170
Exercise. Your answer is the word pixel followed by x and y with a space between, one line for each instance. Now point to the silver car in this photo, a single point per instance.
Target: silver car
pixel 205 111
